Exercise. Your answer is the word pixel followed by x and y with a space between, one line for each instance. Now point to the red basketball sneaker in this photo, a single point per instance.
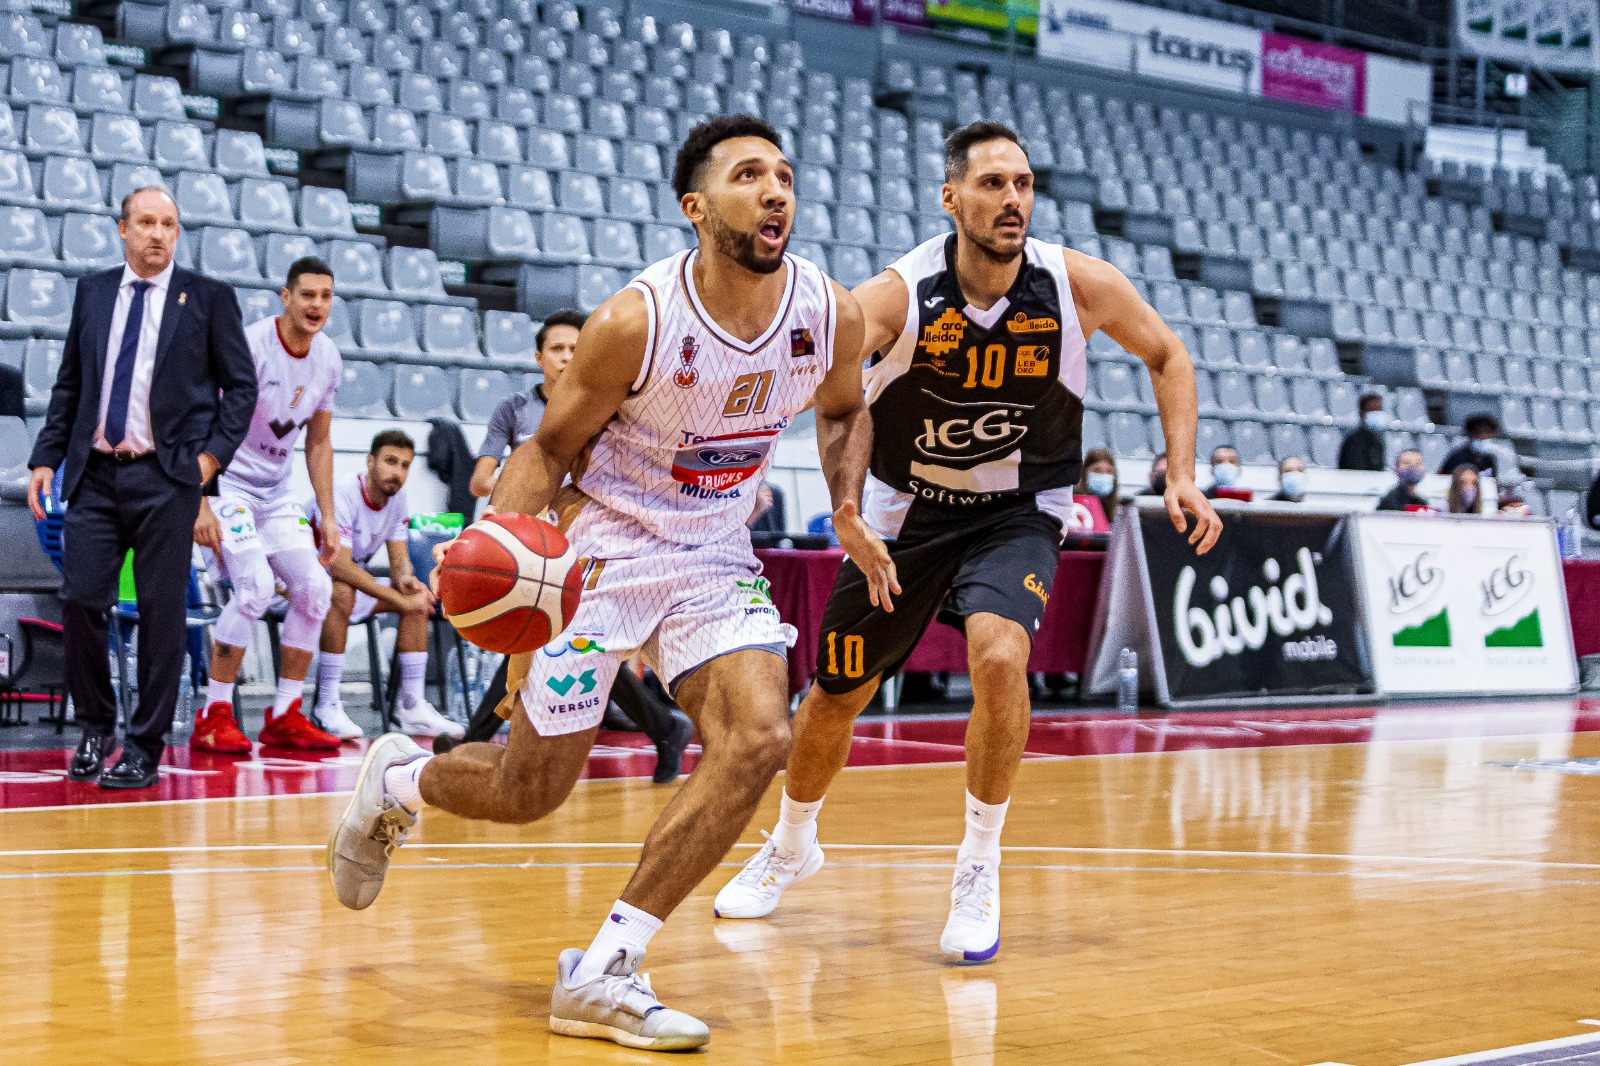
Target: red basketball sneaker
pixel 291 729
pixel 217 731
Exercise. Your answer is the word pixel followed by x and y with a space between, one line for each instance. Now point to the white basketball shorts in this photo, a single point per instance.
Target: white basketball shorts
pixel 680 606
pixel 254 526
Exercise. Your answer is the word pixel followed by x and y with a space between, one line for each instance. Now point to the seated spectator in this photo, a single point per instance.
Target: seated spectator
pixel 1464 491
pixel 1291 481
pixel 1363 446
pixel 1158 477
pixel 1225 476
pixel 768 514
pixel 1099 479
pixel 1408 473
pixel 1512 505
pixel 371 512
pixel 1478 450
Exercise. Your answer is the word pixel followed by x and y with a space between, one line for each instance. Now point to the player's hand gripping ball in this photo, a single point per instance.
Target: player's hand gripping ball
pixel 510 583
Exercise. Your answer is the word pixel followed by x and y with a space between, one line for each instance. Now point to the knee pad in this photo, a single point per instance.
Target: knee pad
pixel 252 595
pixel 310 593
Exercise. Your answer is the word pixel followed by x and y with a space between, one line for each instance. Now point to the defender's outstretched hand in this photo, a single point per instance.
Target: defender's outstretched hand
pixel 868 551
pixel 1184 496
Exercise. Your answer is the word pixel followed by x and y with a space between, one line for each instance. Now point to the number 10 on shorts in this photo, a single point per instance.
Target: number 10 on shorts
pixel 855 654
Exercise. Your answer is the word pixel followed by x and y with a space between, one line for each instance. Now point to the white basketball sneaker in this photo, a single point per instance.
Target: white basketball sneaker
pixel 755 892
pixel 332 719
pixel 620 1006
pixel 423 720
pixel 972 935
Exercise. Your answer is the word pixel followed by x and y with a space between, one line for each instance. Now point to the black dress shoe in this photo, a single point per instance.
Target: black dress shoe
pixel 134 770
pixel 669 749
pixel 90 757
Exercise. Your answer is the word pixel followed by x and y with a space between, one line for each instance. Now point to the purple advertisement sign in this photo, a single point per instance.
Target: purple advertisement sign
pixel 1308 72
pixel 860 12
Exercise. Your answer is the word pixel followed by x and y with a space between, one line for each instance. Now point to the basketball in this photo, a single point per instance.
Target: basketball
pixel 510 583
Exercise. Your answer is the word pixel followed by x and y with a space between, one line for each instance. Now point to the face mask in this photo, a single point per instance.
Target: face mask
pixel 1482 447
pixel 1100 484
pixel 1376 420
pixel 1410 475
pixel 1225 474
pixel 1469 499
pixel 1293 483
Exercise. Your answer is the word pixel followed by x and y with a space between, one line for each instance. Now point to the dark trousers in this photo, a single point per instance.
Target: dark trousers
pixel 118 506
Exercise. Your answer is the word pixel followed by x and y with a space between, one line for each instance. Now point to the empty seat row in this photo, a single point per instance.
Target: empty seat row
pixel 30 80
pixel 44 130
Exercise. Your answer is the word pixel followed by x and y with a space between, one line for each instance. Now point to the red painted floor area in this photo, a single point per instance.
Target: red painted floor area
pixel 38 778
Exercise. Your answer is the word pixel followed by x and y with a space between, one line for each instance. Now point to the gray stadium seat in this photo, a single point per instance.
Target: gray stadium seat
pixel 529 188
pixel 89 242
pixel 69 182
pixel 25 238
pixel 414 272
pixel 1324 445
pixel 256 304
pixel 616 242
pixel 52 128
pixel 660 242
pixel 265 205
pixel 325 212
pixel 117 139
pixel 229 255
pixel 41 361
pixel 385 325
pixel 508 335
pixel 365 389
pixel 179 146
pixel 1289 441
pixel 1126 435
pixel 357 268
pixel 203 199
pixel 564 237
pixel 279 252
pixel 451 331
pixel 480 392
pixel 39 299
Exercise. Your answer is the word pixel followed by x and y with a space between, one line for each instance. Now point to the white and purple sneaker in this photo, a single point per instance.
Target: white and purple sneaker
pixel 972 935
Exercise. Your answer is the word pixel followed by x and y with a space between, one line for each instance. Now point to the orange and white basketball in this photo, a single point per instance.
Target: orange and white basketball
pixel 510 583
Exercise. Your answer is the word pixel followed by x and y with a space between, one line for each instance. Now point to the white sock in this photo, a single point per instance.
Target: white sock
pixel 413 673
pixel 289 690
pixel 330 671
pixel 403 783
pixel 797 824
pixel 624 927
pixel 219 692
pixel 984 822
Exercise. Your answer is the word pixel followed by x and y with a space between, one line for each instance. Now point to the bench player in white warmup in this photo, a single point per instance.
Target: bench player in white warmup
pixel 665 419
pixel 370 510
pixel 259 531
pixel 977 417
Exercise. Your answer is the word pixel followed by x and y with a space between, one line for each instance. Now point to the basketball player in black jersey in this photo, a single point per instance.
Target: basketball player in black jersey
pixel 977 419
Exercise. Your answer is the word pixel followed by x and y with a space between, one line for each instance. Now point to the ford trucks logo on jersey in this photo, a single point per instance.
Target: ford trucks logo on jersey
pixel 686 375
pixel 1023 324
pixel 970 431
pixel 718 464
pixel 801 343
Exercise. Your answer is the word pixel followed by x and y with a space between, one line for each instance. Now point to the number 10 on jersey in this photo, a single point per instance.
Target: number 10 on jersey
pixel 855 654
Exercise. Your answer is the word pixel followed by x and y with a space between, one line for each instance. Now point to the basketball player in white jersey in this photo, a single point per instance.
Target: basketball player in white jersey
pixel 665 420
pixel 258 530
pixel 977 416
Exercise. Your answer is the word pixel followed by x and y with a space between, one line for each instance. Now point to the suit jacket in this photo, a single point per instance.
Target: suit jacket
pixel 202 390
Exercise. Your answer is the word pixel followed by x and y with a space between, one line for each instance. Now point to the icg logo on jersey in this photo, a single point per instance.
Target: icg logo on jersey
pixel 961 432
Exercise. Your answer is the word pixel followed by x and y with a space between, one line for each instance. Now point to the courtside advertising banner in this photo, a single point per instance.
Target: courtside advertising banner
pixel 1269 613
pixel 1465 605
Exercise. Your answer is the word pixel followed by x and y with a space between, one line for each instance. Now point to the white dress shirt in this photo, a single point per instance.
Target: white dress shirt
pixel 139 438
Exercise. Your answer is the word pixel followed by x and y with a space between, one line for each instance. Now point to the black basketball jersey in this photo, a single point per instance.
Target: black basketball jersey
pixel 971 406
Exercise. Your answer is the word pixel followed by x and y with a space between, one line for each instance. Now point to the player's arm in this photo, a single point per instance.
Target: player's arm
pixel 844 439
pixel 483 475
pixel 496 442
pixel 345 569
pixel 319 465
pixel 1111 303
pixel 611 352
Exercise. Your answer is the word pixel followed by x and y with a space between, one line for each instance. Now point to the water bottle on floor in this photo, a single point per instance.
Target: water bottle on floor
pixel 183 715
pixel 1128 681
pixel 1569 535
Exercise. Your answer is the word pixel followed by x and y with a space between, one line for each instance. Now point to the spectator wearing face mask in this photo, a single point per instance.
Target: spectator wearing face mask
pixel 1408 472
pixel 1224 470
pixel 1464 490
pixel 1478 449
pixel 1099 479
pixel 1291 481
pixel 1363 446
pixel 1158 477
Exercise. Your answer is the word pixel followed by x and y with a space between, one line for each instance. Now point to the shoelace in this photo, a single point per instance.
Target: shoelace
pixel 620 988
pixel 971 892
pixel 755 871
pixel 390 831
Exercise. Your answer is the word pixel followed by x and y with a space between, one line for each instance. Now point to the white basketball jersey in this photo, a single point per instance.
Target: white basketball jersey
pixel 289 390
pixel 363 527
pixel 685 452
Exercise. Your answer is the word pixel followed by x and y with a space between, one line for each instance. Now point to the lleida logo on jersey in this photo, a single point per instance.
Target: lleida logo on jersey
pixel 1023 324
pixel 717 464
pixel 970 431
pixel 1286 606
pixel 686 375
pixel 1505 590
pixel 941 337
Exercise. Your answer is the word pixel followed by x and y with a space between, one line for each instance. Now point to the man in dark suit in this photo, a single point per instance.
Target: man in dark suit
pixel 156 390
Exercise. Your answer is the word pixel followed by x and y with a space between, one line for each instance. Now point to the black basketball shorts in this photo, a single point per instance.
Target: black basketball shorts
pixel 951 564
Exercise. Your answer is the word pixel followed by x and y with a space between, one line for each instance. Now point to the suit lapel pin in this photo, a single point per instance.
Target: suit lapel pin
pixel 183 298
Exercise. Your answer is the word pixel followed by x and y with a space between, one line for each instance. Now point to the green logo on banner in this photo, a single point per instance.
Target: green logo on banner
pixel 563 685
pixel 1524 633
pixel 1431 633
pixel 439 523
pixel 760 590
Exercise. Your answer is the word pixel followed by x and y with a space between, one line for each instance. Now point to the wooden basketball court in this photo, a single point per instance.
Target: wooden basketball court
pixel 1367 887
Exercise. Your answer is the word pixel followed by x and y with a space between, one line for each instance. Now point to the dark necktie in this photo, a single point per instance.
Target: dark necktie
pixel 122 376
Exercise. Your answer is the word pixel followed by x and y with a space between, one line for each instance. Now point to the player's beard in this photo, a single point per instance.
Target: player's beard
pixel 741 247
pixel 991 249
